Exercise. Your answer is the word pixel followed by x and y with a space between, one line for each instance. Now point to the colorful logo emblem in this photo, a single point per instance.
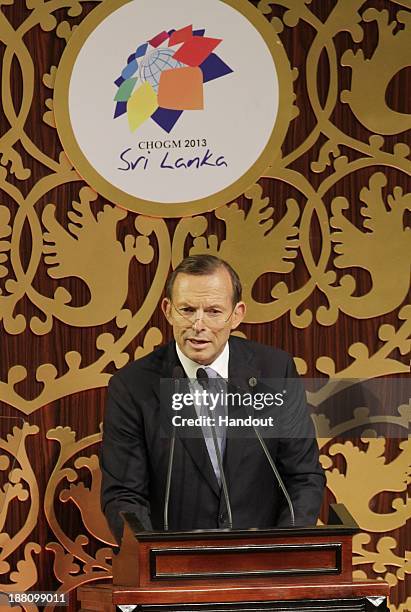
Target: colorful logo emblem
pixel 165 77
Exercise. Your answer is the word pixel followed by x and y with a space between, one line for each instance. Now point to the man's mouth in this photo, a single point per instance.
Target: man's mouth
pixel 197 342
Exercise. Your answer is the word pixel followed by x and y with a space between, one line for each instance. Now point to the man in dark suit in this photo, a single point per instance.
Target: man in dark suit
pixel 203 305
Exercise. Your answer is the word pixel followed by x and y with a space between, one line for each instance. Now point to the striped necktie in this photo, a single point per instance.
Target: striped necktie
pixel 216 388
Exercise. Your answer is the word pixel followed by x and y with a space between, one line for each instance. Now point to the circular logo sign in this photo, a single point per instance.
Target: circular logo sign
pixel 173 107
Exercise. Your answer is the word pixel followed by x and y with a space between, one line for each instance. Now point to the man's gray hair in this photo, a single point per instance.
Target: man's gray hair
pixel 202 265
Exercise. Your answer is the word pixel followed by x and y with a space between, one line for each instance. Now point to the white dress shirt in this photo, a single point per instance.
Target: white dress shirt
pixel 219 365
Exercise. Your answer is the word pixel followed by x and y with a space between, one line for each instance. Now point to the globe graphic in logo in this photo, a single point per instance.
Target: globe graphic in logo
pixel 155 63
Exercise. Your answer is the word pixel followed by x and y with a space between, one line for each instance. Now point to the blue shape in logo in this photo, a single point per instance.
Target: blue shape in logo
pixel 213 67
pixel 141 50
pixel 130 69
pixel 166 118
pixel 121 109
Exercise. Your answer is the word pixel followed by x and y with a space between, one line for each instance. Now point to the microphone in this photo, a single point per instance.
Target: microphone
pixel 202 377
pixel 178 373
pixel 252 382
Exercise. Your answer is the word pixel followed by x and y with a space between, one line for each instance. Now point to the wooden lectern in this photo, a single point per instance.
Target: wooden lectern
pixel 293 570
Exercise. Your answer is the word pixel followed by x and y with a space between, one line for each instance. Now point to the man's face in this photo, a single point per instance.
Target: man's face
pixel 202 315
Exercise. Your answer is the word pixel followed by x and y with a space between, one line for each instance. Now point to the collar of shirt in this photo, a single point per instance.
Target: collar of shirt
pixel 220 365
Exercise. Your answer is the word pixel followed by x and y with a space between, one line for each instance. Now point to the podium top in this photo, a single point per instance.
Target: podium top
pixel 342 523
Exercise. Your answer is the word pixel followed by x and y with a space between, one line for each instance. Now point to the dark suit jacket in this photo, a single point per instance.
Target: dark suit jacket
pixel 135 452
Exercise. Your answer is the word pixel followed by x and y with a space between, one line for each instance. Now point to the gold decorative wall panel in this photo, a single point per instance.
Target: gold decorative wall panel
pixel 322 243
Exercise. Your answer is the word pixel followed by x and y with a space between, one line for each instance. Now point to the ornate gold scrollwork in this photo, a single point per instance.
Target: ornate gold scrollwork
pixel 20 486
pixel 73 565
pixel 374 74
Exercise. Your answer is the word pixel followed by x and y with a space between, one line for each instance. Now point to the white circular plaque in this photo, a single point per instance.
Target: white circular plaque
pixel 172 107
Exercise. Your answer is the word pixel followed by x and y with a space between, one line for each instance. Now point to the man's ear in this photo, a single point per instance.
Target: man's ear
pixel 238 314
pixel 166 308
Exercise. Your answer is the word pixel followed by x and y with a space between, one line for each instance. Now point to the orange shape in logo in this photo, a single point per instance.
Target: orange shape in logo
pixel 181 89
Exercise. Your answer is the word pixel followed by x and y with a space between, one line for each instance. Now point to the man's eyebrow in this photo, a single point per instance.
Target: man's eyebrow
pixel 185 303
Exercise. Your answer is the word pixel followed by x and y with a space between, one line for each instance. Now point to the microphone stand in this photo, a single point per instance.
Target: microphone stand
pixel 177 374
pixel 253 383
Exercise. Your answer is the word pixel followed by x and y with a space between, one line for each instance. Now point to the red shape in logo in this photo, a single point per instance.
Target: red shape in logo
pixel 157 40
pixel 195 50
pixel 180 36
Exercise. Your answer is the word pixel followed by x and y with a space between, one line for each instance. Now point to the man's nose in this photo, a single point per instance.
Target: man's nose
pixel 198 321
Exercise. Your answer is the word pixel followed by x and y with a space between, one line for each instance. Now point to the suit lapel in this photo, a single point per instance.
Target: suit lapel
pixel 241 368
pixel 195 446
